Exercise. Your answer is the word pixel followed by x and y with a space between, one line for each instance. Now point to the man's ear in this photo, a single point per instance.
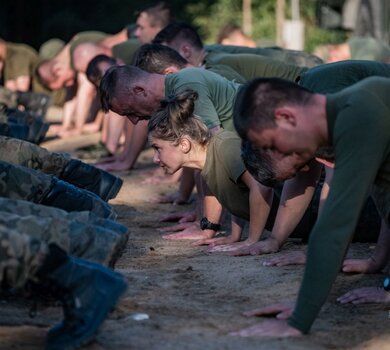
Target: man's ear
pixel 170 70
pixel 185 144
pixel 185 51
pixel 284 115
pixel 138 90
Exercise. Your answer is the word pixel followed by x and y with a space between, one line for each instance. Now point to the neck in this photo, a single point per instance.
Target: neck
pixel 157 84
pixel 196 157
pixel 198 57
pixel 320 128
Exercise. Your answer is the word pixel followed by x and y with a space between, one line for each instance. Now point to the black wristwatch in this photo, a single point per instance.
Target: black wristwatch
pixel 386 284
pixel 205 224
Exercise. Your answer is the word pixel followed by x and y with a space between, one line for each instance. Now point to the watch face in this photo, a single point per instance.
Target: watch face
pixel 386 283
pixel 203 223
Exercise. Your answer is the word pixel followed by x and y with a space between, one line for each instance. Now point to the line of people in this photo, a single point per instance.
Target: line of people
pixel 235 122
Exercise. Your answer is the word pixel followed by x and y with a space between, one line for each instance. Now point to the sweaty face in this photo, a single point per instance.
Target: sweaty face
pixel 145 32
pixel 283 141
pixel 133 107
pixel 286 167
pixel 166 154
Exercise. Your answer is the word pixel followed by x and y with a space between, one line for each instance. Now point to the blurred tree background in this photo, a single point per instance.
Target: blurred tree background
pixel 35 21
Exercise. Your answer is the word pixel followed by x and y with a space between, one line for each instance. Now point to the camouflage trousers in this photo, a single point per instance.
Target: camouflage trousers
pixel 19 182
pixel 21 256
pixel 79 234
pixel 8 97
pixel 27 154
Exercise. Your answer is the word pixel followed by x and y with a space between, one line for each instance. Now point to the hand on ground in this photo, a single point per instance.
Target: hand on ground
pixel 281 311
pixel 230 248
pixel 360 266
pixel 216 241
pixel 293 258
pixel 269 328
pixel 187 231
pixel 180 217
pixel 269 245
pixel 365 295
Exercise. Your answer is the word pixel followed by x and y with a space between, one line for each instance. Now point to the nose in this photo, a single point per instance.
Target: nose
pixel 156 158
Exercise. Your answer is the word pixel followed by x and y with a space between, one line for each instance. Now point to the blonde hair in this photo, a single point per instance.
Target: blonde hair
pixel 175 119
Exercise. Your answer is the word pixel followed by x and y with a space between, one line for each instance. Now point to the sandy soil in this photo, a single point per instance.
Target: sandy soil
pixel 193 298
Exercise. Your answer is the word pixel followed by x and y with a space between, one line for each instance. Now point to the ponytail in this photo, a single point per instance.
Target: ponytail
pixel 175 119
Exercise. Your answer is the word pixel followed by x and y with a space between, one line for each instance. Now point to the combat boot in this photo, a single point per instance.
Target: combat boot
pixel 34 102
pixel 70 198
pixel 86 176
pixel 16 131
pixel 88 292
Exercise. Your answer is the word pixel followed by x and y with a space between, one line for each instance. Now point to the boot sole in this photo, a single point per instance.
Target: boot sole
pixel 98 320
pixel 114 189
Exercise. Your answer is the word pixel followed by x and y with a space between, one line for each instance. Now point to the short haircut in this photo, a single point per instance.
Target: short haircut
pixel 228 30
pixel 94 72
pixel 179 31
pixel 118 80
pixel 160 14
pixel 258 163
pixel 257 100
pixel 155 58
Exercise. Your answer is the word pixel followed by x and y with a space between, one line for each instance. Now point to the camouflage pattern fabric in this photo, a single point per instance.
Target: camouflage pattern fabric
pixel 21 256
pixel 25 208
pixel 19 182
pixel 8 97
pixel 19 152
pixel 80 239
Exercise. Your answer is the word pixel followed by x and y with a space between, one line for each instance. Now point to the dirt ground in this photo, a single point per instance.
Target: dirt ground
pixel 194 298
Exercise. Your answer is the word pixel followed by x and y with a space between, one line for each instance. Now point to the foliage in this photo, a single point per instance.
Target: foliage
pixel 34 21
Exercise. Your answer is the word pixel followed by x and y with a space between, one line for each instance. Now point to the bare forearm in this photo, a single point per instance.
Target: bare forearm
pixel 296 196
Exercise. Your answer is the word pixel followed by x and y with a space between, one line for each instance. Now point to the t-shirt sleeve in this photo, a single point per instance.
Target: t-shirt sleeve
pixel 355 172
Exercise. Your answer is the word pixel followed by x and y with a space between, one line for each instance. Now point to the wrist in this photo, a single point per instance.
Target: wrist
pixel 205 224
pixel 278 242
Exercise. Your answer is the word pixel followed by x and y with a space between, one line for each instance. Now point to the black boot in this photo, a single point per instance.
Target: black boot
pixel 17 131
pixel 34 102
pixel 86 176
pixel 88 292
pixel 70 198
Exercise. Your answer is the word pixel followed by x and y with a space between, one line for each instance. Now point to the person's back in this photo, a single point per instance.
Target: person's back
pixel 367 48
pixel 300 58
pixel 216 94
pixel 332 77
pixel 251 66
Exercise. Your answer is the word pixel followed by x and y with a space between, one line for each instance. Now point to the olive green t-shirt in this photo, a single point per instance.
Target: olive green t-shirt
pixel 366 48
pixel 252 66
pixel 333 77
pixel 216 95
pixel 126 50
pixel 299 58
pixel 222 171
pixel 20 61
pixel 358 120
pixel 226 72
